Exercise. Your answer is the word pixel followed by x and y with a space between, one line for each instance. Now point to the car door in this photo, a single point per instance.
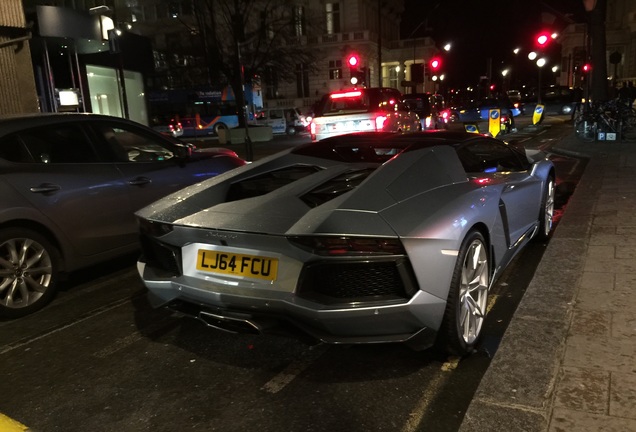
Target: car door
pixel 150 164
pixel 521 192
pixel 64 177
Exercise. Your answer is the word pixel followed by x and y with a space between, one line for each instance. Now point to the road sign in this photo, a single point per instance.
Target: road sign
pixel 537 116
pixel 494 121
pixel 470 127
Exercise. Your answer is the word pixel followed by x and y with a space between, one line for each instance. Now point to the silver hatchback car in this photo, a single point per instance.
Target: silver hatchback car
pixel 70 184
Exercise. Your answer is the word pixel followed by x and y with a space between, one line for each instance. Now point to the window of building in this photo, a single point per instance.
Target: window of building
pixel 332 16
pixel 394 76
pixel 299 20
pixel 335 69
pixel 302 81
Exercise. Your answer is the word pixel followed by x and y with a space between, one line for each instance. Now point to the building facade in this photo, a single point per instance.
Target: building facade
pixel 330 30
pixel 17 86
pixel 620 46
pixel 327 29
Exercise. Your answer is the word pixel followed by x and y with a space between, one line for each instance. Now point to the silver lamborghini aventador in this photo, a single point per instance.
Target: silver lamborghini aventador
pixel 360 238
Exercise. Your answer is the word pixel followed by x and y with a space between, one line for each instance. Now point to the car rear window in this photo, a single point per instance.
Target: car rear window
pixel 345 103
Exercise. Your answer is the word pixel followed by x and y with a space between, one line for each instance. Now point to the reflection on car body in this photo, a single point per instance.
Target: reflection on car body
pixel 70 184
pixel 358 238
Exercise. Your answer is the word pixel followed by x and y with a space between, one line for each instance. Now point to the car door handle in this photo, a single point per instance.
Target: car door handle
pixel 45 188
pixel 139 181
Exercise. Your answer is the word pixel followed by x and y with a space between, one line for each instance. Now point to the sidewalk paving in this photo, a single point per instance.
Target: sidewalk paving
pixel 567 361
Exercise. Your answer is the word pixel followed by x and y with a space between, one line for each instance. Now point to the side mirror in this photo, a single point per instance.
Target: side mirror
pixel 185 150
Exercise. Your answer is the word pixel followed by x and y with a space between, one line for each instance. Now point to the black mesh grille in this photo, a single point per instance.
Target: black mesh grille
pixel 357 281
pixel 161 256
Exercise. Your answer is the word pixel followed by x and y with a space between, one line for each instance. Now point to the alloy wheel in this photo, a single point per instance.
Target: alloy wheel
pixel 26 272
pixel 548 211
pixel 473 292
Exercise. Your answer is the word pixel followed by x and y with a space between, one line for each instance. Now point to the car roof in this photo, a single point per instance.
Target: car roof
pixel 14 122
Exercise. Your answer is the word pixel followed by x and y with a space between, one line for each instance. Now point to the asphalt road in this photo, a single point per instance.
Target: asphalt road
pixel 100 359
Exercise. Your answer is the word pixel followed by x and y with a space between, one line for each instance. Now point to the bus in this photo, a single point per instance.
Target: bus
pixel 194 113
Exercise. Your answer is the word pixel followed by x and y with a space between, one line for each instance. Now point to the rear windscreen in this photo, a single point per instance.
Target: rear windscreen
pixel 345 103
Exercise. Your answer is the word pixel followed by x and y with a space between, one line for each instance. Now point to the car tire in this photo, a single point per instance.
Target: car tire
pixel 219 126
pixel 546 214
pixel 468 297
pixel 29 271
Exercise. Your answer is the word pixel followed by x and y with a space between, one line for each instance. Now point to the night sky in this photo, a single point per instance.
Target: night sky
pixel 490 31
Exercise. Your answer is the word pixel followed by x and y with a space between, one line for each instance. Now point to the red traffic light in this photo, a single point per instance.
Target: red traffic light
pixel 353 60
pixel 435 63
pixel 587 67
pixel 543 38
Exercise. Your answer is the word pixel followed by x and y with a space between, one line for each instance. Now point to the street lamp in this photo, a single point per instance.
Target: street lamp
pixel 504 74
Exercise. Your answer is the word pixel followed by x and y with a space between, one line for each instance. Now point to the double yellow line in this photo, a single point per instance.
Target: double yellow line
pixel 9 425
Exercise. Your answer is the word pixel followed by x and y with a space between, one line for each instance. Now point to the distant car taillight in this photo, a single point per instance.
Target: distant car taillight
pixel 312 128
pixel 379 122
pixel 338 246
pixel 445 115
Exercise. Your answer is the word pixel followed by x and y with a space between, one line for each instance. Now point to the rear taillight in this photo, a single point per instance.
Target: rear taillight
pixel 348 94
pixel 338 246
pixel 428 122
pixel 379 122
pixel 312 128
pixel 445 115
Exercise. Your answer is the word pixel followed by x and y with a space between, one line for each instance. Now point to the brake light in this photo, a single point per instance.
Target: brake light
pixel 445 114
pixel 312 128
pixel 348 94
pixel 379 122
pixel 483 181
pixel 338 246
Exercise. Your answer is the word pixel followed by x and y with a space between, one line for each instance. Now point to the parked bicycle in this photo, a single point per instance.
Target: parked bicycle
pixel 612 116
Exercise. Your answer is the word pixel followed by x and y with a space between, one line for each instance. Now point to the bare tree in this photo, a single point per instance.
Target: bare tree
pixel 244 39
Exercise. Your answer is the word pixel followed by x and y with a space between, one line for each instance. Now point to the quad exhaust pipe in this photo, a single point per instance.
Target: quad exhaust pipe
pixel 229 324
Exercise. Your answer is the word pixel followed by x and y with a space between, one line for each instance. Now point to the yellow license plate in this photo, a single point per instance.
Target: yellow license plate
pixel 251 266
